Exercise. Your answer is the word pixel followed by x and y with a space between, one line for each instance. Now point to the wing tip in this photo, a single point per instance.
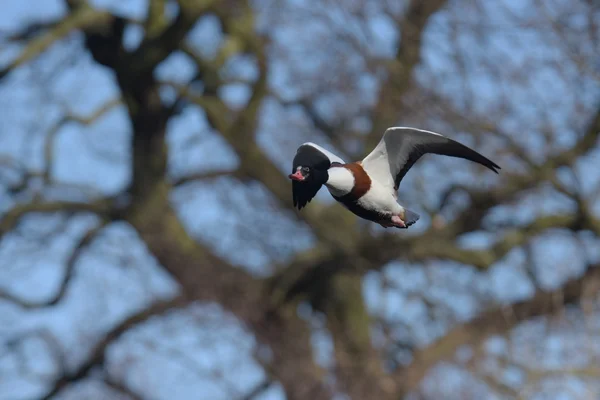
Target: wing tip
pixel 488 163
pixel 494 167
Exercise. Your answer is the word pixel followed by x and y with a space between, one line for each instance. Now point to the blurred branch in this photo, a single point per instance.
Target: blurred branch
pixel 201 273
pixel 258 390
pixel 156 21
pixel 82 17
pixel 358 364
pixel 338 133
pixel 514 238
pixel 478 124
pixel 587 141
pixel 205 276
pixel 28 32
pixel 496 322
pixel 412 27
pixel 330 275
pixel 101 207
pixel 321 264
pixel 238 130
pixel 309 109
pixel 203 176
pixel 591 371
pixel 50 341
pixel 572 46
pixel 154 49
pixel 312 270
pixel 515 185
pixel 79 247
pixel 98 353
pixel 121 388
pixel 217 112
pixel 82 120
pixel 93 117
pixel 499 387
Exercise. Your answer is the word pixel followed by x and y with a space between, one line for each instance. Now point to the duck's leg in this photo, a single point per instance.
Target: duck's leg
pixel 405 220
pixel 398 222
pixel 392 222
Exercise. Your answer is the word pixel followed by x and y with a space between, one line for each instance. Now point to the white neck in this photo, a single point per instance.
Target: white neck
pixel 340 182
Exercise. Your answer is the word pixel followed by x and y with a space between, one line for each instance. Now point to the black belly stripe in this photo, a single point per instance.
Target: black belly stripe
pixel 352 204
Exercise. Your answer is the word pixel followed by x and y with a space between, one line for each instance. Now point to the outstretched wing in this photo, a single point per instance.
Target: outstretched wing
pixel 400 148
pixel 319 160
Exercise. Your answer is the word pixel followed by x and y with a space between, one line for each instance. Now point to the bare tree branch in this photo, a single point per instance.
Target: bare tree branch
pixel 96 357
pixel 11 218
pixel 121 388
pixel 83 120
pixel 412 27
pixel 328 277
pixel 204 176
pixel 83 17
pixel 495 322
pixel 155 49
pixel 156 21
pixel 258 390
pixel 80 246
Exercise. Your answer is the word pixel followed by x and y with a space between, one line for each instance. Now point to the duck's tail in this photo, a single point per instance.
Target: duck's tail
pixel 410 217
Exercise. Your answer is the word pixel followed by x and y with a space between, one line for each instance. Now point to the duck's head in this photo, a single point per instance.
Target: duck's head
pixel 301 174
pixel 310 174
pixel 310 166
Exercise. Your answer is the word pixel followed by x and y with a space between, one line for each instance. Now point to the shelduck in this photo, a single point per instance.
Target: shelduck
pixel 369 188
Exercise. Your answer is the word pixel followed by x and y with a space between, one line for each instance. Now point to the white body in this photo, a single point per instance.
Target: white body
pixel 340 182
pixel 380 197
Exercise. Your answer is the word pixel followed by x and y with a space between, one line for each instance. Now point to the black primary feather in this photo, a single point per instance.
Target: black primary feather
pixel 415 144
pixel 401 147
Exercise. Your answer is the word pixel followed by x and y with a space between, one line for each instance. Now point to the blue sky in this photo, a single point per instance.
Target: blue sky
pixel 117 275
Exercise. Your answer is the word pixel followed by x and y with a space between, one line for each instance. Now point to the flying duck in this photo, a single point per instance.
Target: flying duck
pixel 369 188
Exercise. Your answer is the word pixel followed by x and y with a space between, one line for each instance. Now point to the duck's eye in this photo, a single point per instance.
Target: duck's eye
pixel 305 169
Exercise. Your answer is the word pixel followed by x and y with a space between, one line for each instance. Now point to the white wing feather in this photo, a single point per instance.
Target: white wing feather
pixel 377 162
pixel 401 147
pixel 332 157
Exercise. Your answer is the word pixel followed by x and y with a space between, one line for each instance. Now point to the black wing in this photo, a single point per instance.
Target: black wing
pixel 400 148
pixel 319 160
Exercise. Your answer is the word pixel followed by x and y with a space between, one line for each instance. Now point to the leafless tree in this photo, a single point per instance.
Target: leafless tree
pixel 149 244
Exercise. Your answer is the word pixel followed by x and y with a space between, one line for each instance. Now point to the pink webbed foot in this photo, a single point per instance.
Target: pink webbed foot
pixel 398 222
